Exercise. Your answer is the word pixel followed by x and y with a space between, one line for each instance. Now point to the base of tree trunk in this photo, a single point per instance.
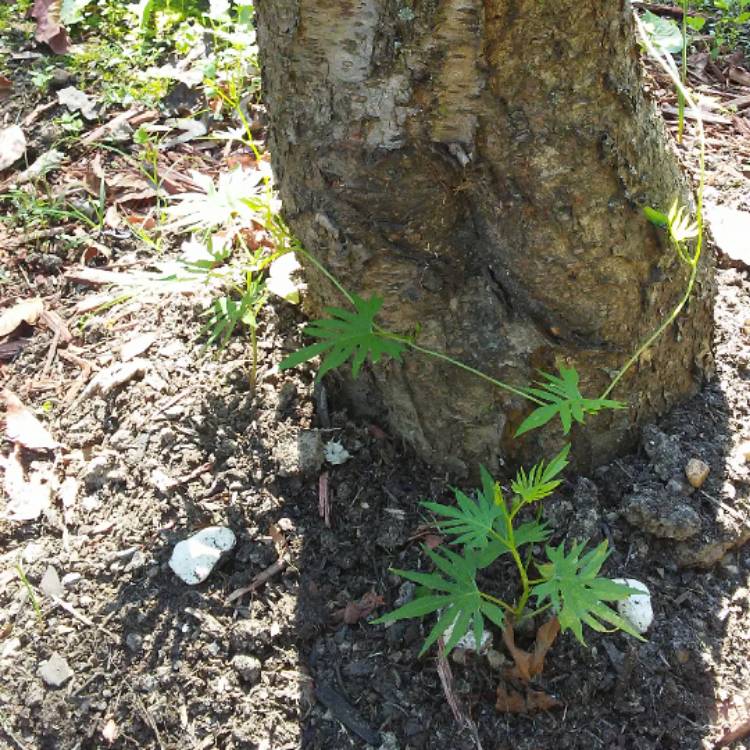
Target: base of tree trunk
pixel 483 165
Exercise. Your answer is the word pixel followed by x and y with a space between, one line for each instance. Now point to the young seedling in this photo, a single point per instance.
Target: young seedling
pixel 488 527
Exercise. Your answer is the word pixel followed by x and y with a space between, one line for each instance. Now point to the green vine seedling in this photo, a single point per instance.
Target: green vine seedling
pixel 487 527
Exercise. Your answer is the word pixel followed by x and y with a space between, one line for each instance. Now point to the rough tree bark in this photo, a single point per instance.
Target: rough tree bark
pixel 482 165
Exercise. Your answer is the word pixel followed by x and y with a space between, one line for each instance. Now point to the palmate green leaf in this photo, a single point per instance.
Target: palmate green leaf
pixel 472 521
pixel 540 481
pixel 459 598
pixel 562 398
pixel 347 335
pixel 576 593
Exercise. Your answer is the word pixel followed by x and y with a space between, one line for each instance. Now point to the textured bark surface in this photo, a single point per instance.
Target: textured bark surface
pixel 482 165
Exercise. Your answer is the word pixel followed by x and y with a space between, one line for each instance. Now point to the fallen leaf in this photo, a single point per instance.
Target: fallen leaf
pixel 12 146
pixel 26 311
pixel 545 637
pixel 113 377
pixel 50 584
pixel 136 346
pixel 49 28
pixel 539 701
pixel 48 161
pixel 510 701
pixel 191 129
pixel 521 658
pixel 27 499
pixel 22 427
pixel 77 101
pixel 356 611
pixel 110 731
pixel 739 75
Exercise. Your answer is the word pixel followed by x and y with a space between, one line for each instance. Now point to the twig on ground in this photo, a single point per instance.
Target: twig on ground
pixel 446 680
pixel 739 733
pixel 324 501
pixel 259 580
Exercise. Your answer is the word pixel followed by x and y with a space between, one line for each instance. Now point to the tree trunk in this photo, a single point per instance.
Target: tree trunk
pixel 482 165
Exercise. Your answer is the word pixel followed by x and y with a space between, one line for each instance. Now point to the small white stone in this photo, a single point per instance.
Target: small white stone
pixel 636 609
pixel 468 642
pixel 194 558
pixel 55 671
pixel 336 454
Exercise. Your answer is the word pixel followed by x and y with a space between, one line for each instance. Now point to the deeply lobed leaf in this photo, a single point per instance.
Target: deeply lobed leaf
pixel 540 482
pixel 576 593
pixel 562 398
pixel 347 335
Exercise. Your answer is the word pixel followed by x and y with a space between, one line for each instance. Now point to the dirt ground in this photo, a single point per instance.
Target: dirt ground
pixel 184 444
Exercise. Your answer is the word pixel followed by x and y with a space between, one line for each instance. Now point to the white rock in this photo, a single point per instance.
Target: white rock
pixel 336 454
pixel 636 609
pixel 50 584
pixel 55 671
pixel 468 642
pixel 194 558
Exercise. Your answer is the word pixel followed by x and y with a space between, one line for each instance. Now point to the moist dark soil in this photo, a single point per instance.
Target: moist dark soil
pixel 186 444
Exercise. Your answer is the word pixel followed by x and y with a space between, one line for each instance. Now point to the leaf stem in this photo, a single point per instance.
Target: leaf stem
pixel 671 69
pixel 472 370
pixel 309 256
pixel 499 602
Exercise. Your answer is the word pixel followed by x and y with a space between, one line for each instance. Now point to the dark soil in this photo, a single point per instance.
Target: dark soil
pixel 159 664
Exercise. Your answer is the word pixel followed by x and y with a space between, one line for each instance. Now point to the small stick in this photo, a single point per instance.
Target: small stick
pixel 259 580
pixel 742 731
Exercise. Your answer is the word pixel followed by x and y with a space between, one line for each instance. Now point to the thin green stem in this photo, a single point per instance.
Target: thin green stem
pixel 30 591
pixel 406 340
pixel 472 370
pixel 308 256
pixel 499 602
pixel 671 69
pixel 655 335
pixel 533 613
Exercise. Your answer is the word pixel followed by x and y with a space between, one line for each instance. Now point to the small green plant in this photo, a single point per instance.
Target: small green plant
pixel 485 529
pixel 30 591
pixel 226 314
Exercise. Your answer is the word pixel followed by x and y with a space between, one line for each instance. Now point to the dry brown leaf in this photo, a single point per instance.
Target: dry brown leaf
pixel 48 26
pixel 545 637
pixel 521 658
pixel 136 346
pixel 22 427
pixel 27 498
pixel 509 701
pixel 539 701
pixel 12 146
pixel 739 75
pixel 356 611
pixel 528 665
pixel 26 311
